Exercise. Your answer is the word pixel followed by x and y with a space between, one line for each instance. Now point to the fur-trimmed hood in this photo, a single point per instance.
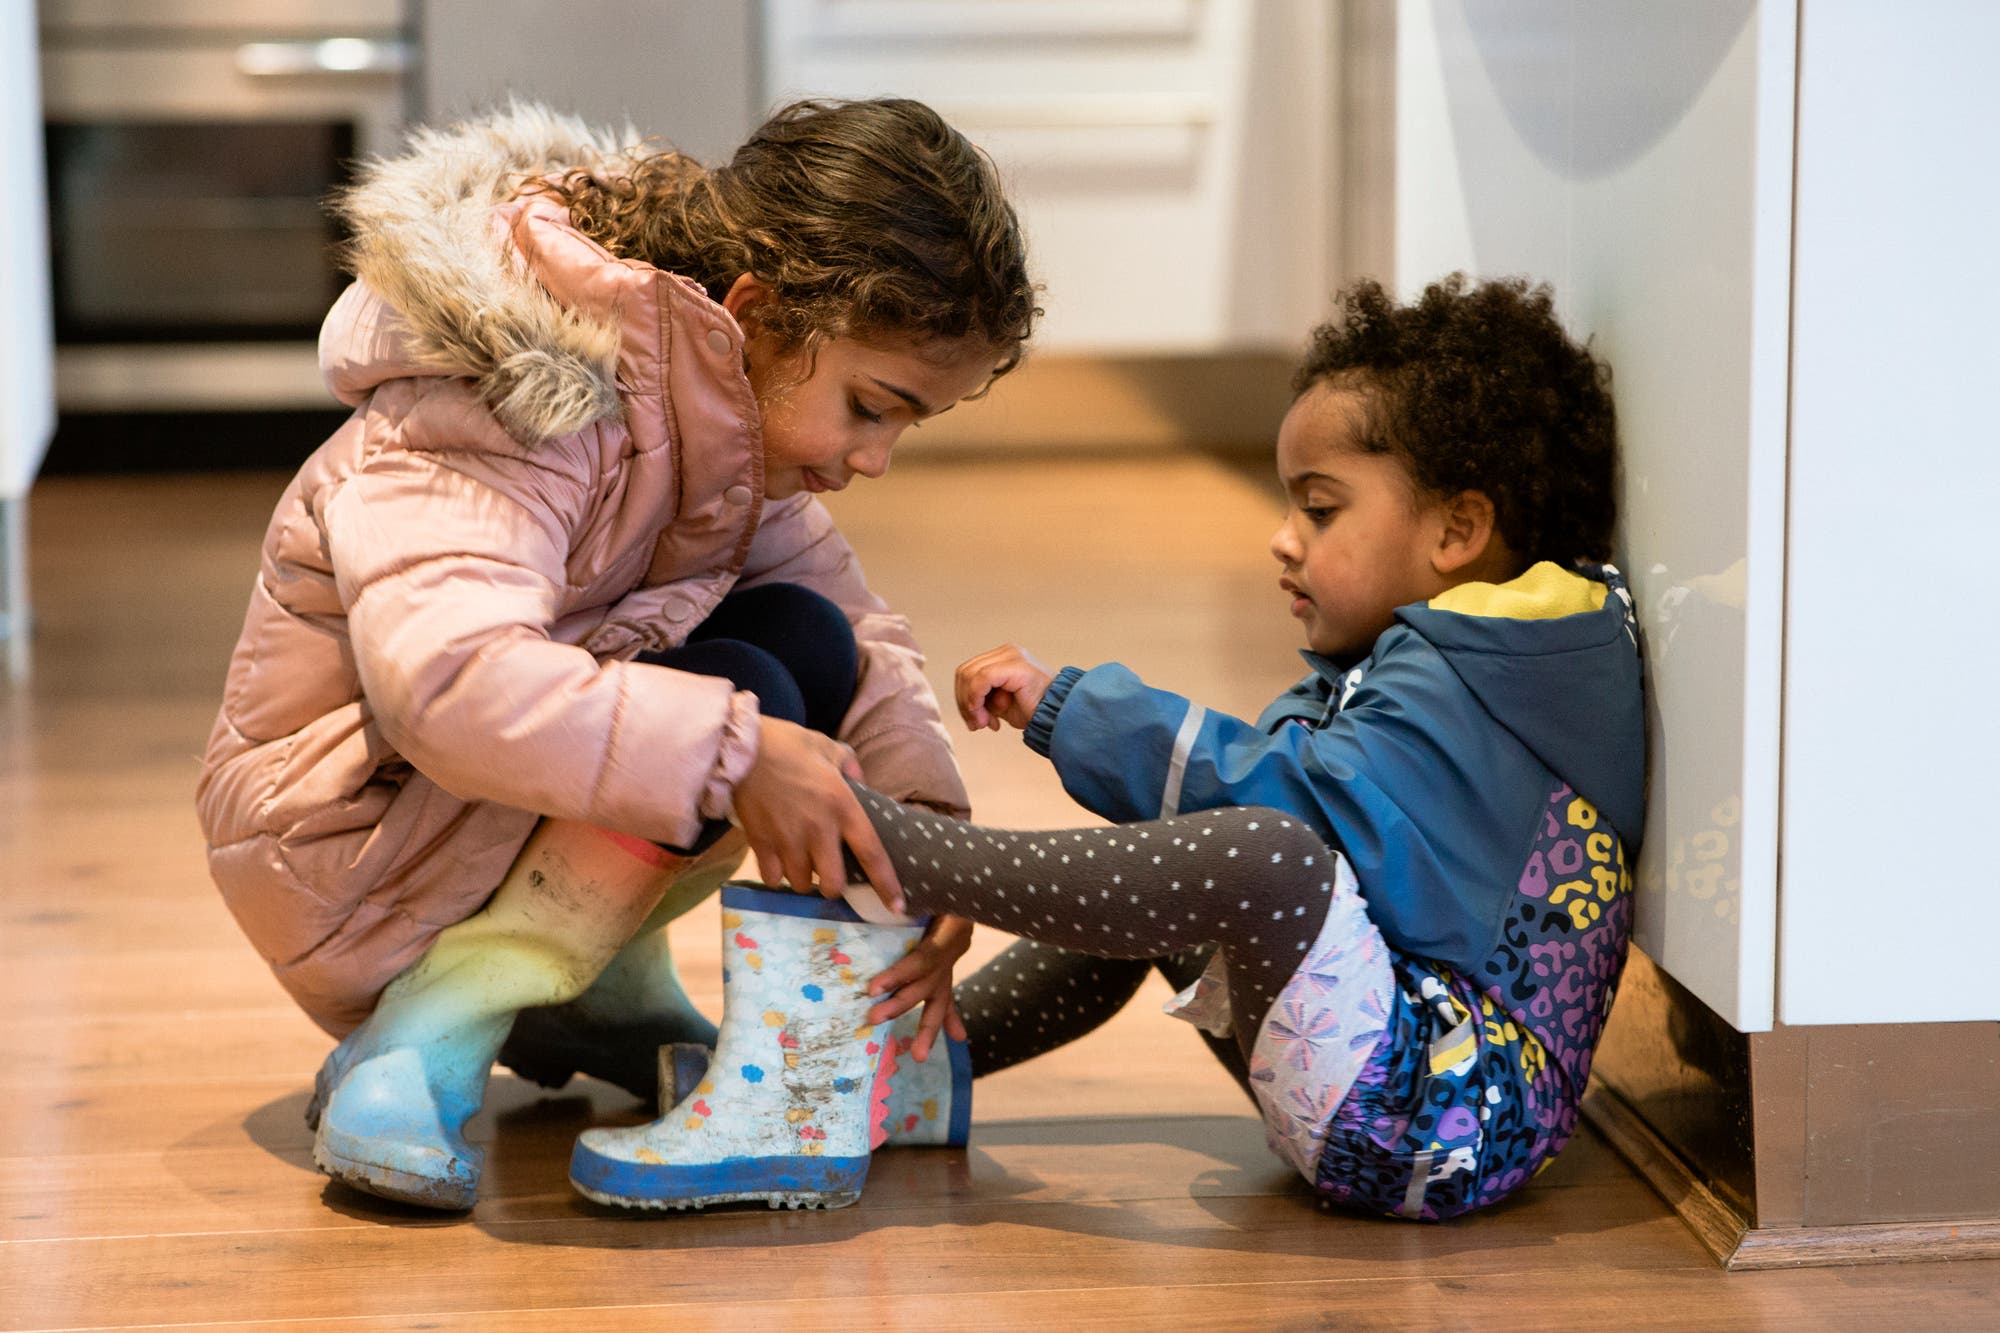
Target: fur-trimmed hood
pixel 424 241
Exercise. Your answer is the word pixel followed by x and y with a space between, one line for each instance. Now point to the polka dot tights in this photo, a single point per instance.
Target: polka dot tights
pixel 1253 882
pixel 1034 997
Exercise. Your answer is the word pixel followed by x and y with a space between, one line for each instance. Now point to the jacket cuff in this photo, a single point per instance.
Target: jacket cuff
pixel 1041 732
pixel 734 757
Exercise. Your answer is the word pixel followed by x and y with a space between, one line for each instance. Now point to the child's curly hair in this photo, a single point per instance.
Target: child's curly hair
pixel 862 218
pixel 1475 386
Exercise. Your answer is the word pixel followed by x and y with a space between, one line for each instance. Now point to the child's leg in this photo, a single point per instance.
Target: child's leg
pixel 805 634
pixel 390 1104
pixel 1035 997
pixel 1256 883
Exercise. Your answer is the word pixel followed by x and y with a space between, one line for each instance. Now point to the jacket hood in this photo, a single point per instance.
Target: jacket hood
pixel 426 243
pixel 1555 635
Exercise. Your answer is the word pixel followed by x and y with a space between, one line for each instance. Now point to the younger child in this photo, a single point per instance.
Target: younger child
pixel 1412 868
pixel 558 600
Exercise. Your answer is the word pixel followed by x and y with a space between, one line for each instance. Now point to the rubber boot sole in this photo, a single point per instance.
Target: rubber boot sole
pixel 779 1182
pixel 447 1190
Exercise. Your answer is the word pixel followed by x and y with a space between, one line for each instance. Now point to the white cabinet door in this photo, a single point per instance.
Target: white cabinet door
pixel 679 69
pixel 1890 724
pixel 1171 159
pixel 1776 221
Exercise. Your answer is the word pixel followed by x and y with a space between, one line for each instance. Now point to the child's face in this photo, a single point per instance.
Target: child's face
pixel 843 419
pixel 1356 542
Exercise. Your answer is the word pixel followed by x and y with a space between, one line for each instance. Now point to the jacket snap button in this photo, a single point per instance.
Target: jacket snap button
pixel 718 342
pixel 737 495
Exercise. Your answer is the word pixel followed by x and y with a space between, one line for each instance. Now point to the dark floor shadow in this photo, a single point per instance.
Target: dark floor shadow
pixel 279 1126
pixel 1251 1202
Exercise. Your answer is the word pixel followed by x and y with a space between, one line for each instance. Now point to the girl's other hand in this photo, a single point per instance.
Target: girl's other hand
pixel 796 810
pixel 923 976
pixel 1003 684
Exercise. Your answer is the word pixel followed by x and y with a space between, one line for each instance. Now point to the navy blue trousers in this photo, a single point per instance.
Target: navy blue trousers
pixel 788 645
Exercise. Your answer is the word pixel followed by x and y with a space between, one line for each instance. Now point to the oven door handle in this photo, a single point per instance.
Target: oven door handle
pixel 331 57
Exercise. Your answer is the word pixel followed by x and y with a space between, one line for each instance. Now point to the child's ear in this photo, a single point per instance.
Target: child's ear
pixel 1468 532
pixel 743 298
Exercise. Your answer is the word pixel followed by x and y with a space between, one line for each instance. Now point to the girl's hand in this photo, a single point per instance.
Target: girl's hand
pixel 1003 684
pixel 923 976
pixel 796 810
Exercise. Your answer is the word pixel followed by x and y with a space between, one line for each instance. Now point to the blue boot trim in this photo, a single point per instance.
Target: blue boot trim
pixel 811 1182
pixel 779 902
pixel 961 1092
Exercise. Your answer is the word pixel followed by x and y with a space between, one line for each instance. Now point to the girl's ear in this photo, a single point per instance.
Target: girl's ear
pixel 743 298
pixel 1467 534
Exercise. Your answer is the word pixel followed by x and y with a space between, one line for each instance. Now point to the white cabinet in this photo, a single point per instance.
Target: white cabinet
pixel 679 69
pixel 1775 221
pixel 27 343
pixel 1172 160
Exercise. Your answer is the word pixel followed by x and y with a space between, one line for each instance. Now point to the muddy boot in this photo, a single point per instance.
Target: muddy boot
pixel 784 1115
pixel 925 1104
pixel 615 1029
pixel 391 1102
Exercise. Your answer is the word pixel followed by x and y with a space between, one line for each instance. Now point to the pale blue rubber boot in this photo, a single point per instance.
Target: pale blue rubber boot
pixel 390 1104
pixel 784 1115
pixel 392 1122
pixel 925 1104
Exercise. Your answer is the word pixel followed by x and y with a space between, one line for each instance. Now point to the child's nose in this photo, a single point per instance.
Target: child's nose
pixel 1283 547
pixel 871 461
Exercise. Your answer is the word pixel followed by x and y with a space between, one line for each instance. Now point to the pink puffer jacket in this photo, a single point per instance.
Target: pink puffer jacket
pixel 553 465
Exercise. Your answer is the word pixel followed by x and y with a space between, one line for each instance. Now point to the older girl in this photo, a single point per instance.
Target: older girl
pixel 557 602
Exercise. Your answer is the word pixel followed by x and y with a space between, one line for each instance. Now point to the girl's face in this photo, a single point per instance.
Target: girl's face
pixel 1356 542
pixel 836 415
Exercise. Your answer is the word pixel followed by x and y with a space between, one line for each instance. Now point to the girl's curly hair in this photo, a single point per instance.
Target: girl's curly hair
pixel 862 218
pixel 1475 386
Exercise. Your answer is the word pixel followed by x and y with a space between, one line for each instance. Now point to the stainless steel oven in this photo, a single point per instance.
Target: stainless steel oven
pixel 191 145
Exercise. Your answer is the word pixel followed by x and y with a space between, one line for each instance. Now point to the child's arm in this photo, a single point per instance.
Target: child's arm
pixel 450 568
pixel 1399 781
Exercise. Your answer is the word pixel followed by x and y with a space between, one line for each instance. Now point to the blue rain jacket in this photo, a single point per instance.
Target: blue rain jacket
pixel 1428 764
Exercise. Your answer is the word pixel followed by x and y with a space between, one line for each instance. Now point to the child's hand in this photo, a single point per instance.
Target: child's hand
pixel 796 810
pixel 1003 684
pixel 923 976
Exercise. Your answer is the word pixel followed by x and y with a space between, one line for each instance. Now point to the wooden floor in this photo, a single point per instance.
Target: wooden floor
pixel 155 1170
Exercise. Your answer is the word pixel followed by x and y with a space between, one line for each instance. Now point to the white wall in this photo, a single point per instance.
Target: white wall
pixel 1637 156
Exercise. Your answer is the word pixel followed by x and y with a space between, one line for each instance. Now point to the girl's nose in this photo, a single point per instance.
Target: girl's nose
pixel 871 461
pixel 1284 548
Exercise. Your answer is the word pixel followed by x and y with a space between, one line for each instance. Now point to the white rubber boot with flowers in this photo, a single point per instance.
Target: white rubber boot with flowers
pixel 786 1113
pixel 921 1103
